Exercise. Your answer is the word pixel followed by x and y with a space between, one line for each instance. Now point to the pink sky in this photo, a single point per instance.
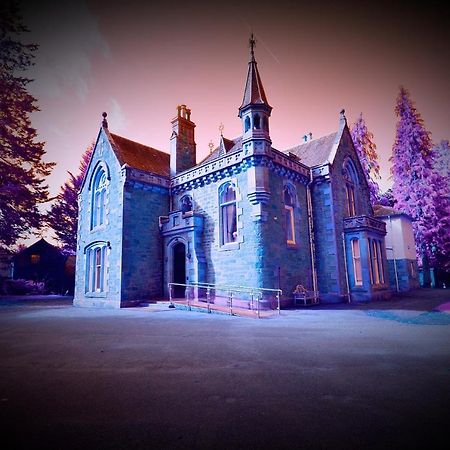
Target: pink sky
pixel 139 60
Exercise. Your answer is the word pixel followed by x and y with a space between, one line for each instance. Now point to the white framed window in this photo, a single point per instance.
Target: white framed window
pixel 98 203
pixel 228 214
pixel 289 202
pixel 96 256
pixel 356 258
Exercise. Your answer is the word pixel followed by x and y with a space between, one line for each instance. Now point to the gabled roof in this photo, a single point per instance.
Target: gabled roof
pixel 140 156
pixel 315 152
pixel 231 145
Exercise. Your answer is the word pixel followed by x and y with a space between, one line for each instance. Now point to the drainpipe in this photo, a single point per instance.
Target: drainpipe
pixel 346 268
pixel 311 235
pixel 393 255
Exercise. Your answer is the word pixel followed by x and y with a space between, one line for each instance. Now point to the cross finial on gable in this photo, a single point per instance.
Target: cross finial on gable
pixel 221 128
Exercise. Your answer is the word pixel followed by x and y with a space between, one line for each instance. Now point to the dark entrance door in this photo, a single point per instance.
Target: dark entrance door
pixel 179 269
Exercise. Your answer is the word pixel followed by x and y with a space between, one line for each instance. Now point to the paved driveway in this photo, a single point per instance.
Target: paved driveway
pixel 347 377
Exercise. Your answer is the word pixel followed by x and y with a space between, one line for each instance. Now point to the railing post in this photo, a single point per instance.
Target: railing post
pixel 230 298
pixel 188 298
pixel 278 302
pixel 208 294
pixel 258 303
pixel 252 301
pixel 171 305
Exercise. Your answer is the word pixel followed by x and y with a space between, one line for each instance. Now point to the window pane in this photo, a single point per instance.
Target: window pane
pixel 290 229
pixel 356 262
pixel 229 224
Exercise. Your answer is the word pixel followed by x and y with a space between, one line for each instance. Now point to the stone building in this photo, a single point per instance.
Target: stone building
pixel 400 249
pixel 248 212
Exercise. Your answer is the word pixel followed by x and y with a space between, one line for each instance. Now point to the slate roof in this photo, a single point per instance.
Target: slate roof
pixel 140 156
pixel 254 90
pixel 315 152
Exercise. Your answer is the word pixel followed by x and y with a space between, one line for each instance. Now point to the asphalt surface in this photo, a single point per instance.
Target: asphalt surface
pixel 328 377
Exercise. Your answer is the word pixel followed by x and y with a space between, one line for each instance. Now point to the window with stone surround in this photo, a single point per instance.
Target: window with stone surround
pixel 228 214
pixel 356 259
pixel 98 200
pixel 96 256
pixel 289 204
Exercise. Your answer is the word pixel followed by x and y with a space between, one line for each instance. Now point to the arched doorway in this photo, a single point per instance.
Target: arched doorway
pixel 179 268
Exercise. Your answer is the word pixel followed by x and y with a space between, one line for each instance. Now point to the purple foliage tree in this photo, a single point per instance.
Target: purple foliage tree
pixel 367 153
pixel 63 214
pixel 417 188
pixel 22 169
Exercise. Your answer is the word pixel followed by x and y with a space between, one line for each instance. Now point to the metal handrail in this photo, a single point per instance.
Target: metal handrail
pixel 230 289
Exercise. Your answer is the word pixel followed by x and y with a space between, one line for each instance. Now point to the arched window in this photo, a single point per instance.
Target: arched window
pixel 289 202
pixel 186 203
pixel 96 267
pixel 256 122
pixel 356 258
pixel 228 214
pixel 351 182
pixel 99 186
pixel 247 124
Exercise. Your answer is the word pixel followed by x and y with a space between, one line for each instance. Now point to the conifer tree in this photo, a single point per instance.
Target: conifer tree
pixel 22 169
pixel 367 153
pixel 63 214
pixel 416 185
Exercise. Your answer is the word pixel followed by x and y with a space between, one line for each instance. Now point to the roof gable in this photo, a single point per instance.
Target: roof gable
pixel 140 156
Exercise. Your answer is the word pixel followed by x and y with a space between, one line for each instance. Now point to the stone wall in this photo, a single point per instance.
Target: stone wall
pixel 142 262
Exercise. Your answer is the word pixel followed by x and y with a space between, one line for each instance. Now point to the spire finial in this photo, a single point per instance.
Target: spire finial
pixel 104 121
pixel 211 147
pixel 342 115
pixel 221 128
pixel 252 43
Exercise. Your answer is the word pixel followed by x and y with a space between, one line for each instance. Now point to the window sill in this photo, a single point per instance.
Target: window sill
pixel 229 246
pixel 98 228
pixel 96 294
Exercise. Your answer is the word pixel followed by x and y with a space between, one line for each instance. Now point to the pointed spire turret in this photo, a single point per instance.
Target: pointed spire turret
pixel 254 91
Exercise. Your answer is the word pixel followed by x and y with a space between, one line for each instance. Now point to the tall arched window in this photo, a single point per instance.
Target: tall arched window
pixel 96 267
pixel 186 203
pixel 228 214
pixel 356 258
pixel 256 122
pixel 351 182
pixel 98 198
pixel 247 124
pixel 289 202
